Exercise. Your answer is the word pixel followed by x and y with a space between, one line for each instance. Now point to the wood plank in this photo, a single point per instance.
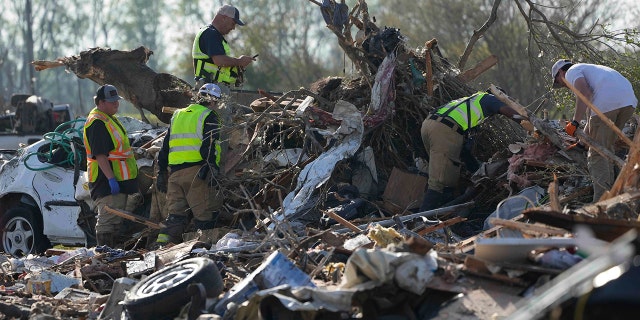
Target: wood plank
pixel 528 227
pixel 603 228
pixel 628 176
pixel 478 69
pixel 441 225
pixel 133 217
pixel 597 208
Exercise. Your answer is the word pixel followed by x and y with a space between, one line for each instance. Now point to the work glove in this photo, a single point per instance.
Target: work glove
pixel 115 187
pixel 572 127
pixel 161 181
pixel 210 178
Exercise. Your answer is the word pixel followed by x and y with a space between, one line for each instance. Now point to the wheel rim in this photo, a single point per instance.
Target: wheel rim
pixel 18 237
pixel 168 279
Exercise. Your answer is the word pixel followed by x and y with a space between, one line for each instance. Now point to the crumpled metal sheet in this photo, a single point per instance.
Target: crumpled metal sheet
pixel 348 138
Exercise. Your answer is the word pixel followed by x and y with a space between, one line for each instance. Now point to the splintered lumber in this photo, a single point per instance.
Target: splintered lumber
pixel 441 225
pixel 482 266
pixel 554 202
pixel 170 110
pixel 599 148
pixel 478 69
pixel 628 176
pixel 478 268
pixel 428 68
pixel 343 221
pixel 509 101
pixel 133 217
pixel 528 227
pixel 577 194
pixel 429 213
pixel 599 207
pixel 603 228
pixel 543 126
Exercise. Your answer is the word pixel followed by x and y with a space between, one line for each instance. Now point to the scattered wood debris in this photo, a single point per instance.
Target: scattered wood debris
pixel 322 185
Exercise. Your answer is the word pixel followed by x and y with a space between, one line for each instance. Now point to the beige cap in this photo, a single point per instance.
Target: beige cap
pixel 231 12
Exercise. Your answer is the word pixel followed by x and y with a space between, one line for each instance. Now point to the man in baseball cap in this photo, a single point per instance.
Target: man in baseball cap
pixel 213 59
pixel 609 92
pixel 231 12
pixel 560 64
pixel 108 93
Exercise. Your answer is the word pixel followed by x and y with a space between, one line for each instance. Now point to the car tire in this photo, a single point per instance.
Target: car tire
pixel 164 293
pixel 22 233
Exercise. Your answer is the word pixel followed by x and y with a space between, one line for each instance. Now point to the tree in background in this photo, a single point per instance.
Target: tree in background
pixel 296 48
pixel 527 36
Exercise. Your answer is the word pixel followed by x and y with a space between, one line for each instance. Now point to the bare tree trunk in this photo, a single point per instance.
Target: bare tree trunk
pixel 128 71
pixel 28 41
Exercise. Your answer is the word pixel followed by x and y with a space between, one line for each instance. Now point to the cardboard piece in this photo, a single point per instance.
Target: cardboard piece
pixel 403 191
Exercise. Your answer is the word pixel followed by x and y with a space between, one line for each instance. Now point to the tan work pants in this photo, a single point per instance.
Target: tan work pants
pixel 107 222
pixel 186 192
pixel 443 144
pixel 600 168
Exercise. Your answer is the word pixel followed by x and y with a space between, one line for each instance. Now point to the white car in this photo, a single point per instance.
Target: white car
pixel 38 196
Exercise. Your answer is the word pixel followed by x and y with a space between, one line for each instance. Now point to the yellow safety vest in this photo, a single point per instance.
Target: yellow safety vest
pixel 204 67
pixel 467 111
pixel 123 163
pixel 186 135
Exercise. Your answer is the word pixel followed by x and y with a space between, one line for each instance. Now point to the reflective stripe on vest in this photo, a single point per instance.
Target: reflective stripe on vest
pixel 186 135
pixel 205 68
pixel 122 161
pixel 466 112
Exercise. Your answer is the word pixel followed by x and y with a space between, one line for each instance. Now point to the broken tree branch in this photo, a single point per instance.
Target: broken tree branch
pixel 477 34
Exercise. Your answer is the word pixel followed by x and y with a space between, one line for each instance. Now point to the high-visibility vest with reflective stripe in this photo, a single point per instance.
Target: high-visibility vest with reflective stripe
pixel 123 163
pixel 187 134
pixel 467 112
pixel 205 68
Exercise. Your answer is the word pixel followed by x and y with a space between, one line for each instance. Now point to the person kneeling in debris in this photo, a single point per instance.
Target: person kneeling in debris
pixel 191 150
pixel 443 134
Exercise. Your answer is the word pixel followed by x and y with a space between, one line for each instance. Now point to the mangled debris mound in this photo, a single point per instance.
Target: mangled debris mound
pixel 419 81
pixel 128 71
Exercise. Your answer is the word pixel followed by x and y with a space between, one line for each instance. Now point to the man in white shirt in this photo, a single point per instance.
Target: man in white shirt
pixel 613 95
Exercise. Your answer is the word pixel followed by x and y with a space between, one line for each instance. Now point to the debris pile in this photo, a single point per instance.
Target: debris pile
pixel 322 187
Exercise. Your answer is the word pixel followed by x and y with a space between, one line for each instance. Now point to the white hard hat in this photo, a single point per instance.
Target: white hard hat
pixel 211 89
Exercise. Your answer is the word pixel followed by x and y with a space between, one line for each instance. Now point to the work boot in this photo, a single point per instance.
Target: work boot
pixel 432 200
pixel 105 239
pixel 203 225
pixel 174 227
pixel 448 195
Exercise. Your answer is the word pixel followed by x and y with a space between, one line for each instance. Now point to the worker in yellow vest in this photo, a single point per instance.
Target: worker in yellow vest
pixel 212 59
pixel 443 134
pixel 111 166
pixel 190 158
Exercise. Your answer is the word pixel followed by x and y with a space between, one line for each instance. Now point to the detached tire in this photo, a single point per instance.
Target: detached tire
pixel 164 293
pixel 22 233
